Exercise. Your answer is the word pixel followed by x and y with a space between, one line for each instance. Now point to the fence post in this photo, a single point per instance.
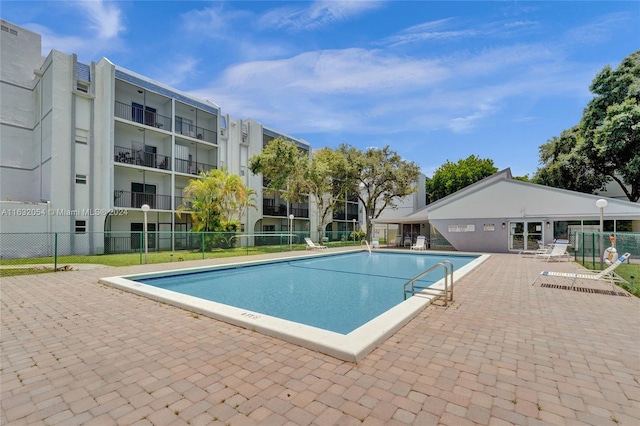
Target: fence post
pixel 202 233
pixel 141 241
pixel 55 252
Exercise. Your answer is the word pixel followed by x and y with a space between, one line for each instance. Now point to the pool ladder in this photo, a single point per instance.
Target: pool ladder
pixel 447 266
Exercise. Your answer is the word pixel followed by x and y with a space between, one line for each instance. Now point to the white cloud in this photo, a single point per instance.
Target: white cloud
pixel 355 71
pixel 316 15
pixel 181 69
pixel 104 17
pixel 360 90
pixel 215 22
pixel 432 30
pixel 99 31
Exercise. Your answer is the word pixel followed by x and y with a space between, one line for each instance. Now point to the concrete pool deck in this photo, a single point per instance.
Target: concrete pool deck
pixel 78 352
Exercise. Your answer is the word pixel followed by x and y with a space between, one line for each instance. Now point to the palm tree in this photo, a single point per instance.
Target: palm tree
pixel 216 201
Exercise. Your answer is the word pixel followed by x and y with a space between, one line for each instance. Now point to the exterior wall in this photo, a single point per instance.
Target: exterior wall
pixel 488 235
pixel 19 149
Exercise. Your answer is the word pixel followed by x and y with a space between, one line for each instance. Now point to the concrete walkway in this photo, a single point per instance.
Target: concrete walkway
pixel 77 352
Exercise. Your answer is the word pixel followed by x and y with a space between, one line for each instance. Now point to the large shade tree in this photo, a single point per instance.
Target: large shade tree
pixel 452 177
pixel 379 177
pixel 605 145
pixel 289 172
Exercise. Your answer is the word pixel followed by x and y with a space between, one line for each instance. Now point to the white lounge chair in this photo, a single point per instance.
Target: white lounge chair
pixel 313 246
pixel 557 250
pixel 606 275
pixel 375 243
pixel 420 243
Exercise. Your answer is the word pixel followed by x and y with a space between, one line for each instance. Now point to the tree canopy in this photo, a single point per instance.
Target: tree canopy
pixel 379 177
pixel 282 164
pixel 605 145
pixel 290 172
pixel 452 177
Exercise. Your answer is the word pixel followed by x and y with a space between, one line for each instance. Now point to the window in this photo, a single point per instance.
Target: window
pixel 81 179
pixel 81 226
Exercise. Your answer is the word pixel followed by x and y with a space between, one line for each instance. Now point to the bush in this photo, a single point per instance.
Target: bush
pixel 357 235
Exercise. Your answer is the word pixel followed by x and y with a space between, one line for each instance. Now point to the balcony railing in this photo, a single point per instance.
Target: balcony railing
pixel 196 132
pixel 137 199
pixel 140 115
pixel 268 209
pixel 141 158
pixel 299 212
pixel 192 167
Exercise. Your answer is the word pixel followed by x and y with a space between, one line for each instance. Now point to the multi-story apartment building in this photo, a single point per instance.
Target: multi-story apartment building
pixel 87 145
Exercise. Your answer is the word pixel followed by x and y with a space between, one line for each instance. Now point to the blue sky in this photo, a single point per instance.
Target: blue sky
pixel 436 81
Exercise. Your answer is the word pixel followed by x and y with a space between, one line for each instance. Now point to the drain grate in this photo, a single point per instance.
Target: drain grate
pixel 586 290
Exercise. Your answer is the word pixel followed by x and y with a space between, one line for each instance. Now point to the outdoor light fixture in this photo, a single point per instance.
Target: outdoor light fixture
pixel 504 225
pixel 290 229
pixel 548 224
pixel 145 209
pixel 601 204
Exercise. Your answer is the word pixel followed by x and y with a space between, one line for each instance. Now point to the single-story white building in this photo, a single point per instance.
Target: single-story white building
pixel 501 214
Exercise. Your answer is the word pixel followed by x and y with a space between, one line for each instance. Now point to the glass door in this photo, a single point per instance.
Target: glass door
pixel 524 235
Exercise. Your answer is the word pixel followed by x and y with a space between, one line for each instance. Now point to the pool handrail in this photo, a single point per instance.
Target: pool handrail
pixel 448 290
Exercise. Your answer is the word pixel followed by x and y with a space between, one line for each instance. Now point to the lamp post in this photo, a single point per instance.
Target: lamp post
pixel 145 209
pixel 290 230
pixel 354 230
pixel 601 204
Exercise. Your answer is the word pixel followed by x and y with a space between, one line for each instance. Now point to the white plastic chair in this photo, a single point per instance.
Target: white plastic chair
pixel 313 246
pixel 420 243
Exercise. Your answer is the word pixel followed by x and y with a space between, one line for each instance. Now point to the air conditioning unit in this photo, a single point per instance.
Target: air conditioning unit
pixel 223 132
pixel 245 138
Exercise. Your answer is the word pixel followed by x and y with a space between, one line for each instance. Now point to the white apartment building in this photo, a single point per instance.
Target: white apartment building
pixel 84 146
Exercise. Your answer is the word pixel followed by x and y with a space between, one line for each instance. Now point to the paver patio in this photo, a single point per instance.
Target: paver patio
pixel 78 352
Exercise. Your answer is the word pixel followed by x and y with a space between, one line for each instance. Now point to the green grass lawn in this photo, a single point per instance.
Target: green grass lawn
pixel 129 259
pixel 628 271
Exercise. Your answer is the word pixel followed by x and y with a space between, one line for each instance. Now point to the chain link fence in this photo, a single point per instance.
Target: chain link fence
pixel 55 250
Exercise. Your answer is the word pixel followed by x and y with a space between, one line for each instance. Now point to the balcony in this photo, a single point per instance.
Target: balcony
pixel 143 115
pixel 123 198
pixel 196 132
pixel 141 158
pixel 192 167
pixel 299 212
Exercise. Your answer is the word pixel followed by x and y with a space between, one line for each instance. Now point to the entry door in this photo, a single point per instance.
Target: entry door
pixel 524 235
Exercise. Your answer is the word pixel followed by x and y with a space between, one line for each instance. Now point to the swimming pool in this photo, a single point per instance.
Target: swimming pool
pixel 341 304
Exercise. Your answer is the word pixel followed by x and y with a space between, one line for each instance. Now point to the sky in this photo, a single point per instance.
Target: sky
pixel 436 81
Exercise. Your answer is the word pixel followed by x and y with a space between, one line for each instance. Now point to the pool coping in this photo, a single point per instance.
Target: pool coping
pixel 352 347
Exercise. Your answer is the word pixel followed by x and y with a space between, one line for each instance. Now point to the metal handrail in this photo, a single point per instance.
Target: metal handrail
pixel 445 264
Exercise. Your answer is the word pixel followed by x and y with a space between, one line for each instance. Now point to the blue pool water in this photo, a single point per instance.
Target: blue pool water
pixel 337 292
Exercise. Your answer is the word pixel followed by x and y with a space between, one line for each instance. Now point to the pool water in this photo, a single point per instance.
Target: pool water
pixel 338 293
